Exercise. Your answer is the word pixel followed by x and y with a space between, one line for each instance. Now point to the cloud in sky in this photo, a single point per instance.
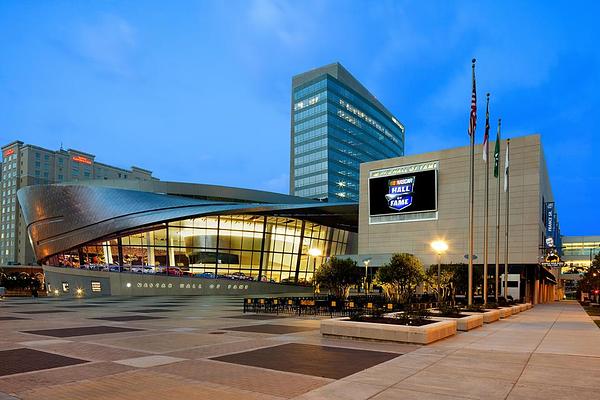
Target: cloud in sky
pixel 278 18
pixel 108 42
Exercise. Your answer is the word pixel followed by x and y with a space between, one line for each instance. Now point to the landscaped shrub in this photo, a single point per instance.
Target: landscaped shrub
pixel 337 275
pixel 401 276
pixel 474 308
pixel 449 311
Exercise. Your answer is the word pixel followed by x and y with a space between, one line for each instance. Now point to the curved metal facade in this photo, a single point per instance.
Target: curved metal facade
pixel 62 217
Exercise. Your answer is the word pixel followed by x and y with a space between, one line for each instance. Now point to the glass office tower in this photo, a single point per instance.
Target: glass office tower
pixel 336 125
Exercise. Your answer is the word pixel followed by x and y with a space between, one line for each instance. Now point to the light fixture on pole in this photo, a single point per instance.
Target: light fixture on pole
pixel 314 253
pixel 439 246
pixel 366 262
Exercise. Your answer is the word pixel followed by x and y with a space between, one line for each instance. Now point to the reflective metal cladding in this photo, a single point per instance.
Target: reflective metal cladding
pixel 62 217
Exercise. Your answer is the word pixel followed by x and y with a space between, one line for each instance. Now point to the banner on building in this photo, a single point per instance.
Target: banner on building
pixel 409 191
pixel 550 219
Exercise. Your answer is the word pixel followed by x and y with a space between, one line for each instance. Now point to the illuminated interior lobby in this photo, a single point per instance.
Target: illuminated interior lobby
pixel 200 229
pixel 273 248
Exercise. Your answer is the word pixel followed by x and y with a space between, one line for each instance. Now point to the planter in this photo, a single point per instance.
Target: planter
pixel 523 307
pixel 343 327
pixel 505 312
pixel 466 323
pixel 516 309
pixel 529 306
pixel 489 315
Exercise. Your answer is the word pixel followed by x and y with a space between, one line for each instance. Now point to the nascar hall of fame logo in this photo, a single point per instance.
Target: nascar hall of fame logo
pixel 400 193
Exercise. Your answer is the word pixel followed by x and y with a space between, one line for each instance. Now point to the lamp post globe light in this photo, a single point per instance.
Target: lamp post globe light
pixel 439 246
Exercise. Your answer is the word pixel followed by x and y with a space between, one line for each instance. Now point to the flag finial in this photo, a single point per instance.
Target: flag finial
pixel 473 61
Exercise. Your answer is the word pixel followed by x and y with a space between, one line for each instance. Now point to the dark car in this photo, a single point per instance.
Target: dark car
pixel 206 275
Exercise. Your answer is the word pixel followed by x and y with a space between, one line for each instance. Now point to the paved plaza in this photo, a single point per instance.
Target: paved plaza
pixel 206 348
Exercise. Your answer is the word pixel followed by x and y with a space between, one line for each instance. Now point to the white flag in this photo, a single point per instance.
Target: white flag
pixel 506 168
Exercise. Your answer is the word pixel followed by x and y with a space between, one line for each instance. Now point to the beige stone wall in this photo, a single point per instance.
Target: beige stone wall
pixel 528 180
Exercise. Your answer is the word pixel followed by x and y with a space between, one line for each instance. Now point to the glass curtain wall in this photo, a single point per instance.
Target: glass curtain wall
pixel 334 130
pixel 262 248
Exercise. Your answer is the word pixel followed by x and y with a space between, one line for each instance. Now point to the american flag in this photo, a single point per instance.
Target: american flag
pixel 473 120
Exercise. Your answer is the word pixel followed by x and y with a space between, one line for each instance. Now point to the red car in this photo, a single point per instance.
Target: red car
pixel 174 271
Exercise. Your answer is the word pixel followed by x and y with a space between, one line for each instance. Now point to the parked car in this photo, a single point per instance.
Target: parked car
pixel 143 269
pixel 96 267
pixel 206 275
pixel 240 276
pixel 174 271
pixel 115 268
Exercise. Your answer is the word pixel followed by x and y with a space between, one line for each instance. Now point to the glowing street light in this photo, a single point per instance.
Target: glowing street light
pixel 314 252
pixel 440 247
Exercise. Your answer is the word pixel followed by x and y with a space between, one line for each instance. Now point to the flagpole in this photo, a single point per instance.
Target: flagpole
pixel 487 199
pixel 507 190
pixel 471 190
pixel 497 175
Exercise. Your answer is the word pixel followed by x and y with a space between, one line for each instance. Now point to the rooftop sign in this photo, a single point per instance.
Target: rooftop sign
pixel 82 159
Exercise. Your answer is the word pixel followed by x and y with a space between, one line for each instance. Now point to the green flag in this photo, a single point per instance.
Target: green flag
pixel 497 152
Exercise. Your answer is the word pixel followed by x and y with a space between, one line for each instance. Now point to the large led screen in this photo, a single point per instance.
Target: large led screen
pixel 405 193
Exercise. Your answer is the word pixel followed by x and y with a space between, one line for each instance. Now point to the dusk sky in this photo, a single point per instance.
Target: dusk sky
pixel 199 91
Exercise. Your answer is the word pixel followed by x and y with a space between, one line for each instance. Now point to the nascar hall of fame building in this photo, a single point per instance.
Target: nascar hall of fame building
pixel 95 234
pixel 164 238
pixel 408 202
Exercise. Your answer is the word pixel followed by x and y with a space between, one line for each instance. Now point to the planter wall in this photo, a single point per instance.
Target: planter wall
pixel 523 307
pixel 505 312
pixel 467 323
pixel 385 332
pixel 489 316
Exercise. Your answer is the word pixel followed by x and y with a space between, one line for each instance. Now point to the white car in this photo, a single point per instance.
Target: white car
pixel 143 269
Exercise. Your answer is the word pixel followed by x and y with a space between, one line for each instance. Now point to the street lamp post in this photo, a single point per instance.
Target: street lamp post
pixel 366 262
pixel 314 253
pixel 595 286
pixel 439 246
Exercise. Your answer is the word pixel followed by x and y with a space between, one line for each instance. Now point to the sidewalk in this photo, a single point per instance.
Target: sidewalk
pixel 201 347
pixel 549 352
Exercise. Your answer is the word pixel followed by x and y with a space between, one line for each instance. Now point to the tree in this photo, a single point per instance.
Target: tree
pixel 401 276
pixel 338 275
pixel 461 277
pixel 591 278
pixel 447 280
